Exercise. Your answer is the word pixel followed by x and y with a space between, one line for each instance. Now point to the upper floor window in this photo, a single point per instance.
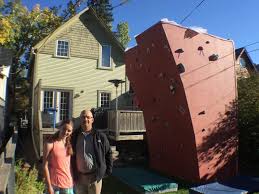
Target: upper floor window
pixel 242 62
pixel 106 57
pixel 62 48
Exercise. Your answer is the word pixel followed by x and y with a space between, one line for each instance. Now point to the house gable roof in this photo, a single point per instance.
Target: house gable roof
pixel 239 51
pixel 242 51
pixel 71 21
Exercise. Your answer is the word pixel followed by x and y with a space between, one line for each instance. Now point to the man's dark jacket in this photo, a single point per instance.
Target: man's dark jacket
pixel 102 152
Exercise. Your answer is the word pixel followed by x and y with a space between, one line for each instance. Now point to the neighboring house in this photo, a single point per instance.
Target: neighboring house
pixel 5 63
pixel 244 64
pixel 70 72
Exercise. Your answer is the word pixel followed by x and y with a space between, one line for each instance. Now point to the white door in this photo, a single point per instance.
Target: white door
pixel 59 100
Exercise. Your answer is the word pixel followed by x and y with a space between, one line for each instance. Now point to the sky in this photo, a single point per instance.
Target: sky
pixel 237 20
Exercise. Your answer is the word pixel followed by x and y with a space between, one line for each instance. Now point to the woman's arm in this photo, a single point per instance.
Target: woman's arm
pixel 46 152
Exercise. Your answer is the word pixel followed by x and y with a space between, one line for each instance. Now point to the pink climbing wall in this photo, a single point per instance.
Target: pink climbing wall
pixel 185 84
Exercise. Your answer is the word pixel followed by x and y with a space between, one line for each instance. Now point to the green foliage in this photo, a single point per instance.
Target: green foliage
pixel 27 180
pixel 123 33
pixel 22 30
pixel 112 185
pixel 29 27
pixel 103 9
pixel 248 117
pixel 248 102
pixel 70 11
pixel 1 3
pixel 22 91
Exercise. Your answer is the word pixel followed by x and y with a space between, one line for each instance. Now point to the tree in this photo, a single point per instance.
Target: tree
pixel 71 9
pixel 248 117
pixel 5 30
pixel 123 33
pixel 21 30
pixel 103 9
pixel 1 3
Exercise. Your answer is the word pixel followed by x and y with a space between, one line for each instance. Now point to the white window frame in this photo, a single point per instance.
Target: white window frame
pixel 68 50
pixel 56 101
pixel 69 103
pixel 42 98
pixel 101 57
pixel 99 94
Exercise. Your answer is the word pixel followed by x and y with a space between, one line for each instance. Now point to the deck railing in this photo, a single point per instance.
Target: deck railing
pixel 126 124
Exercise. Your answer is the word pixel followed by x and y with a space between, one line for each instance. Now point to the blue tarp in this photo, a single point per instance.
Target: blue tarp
pixel 215 188
pixel 144 181
pixel 236 185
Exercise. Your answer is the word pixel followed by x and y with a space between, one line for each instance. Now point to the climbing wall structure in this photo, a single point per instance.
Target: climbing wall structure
pixel 184 82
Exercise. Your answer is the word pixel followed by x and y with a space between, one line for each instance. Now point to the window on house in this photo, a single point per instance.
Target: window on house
pixel 48 100
pixel 104 99
pixel 106 56
pixel 62 48
pixel 61 100
pixel 242 62
pixel 64 105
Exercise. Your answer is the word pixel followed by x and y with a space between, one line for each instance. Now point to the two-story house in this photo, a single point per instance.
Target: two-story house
pixel 70 71
pixel 244 64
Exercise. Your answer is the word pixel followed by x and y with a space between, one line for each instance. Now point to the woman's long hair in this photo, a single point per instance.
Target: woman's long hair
pixel 55 137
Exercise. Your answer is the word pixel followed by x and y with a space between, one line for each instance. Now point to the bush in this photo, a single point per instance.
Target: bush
pixel 248 122
pixel 26 180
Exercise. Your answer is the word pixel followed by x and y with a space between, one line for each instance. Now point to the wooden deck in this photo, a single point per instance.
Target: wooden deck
pixel 126 125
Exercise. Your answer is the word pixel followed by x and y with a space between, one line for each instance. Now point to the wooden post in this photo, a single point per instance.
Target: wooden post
pixel 109 123
pixel 117 130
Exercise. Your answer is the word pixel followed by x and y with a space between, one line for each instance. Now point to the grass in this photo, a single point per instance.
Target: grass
pixel 112 185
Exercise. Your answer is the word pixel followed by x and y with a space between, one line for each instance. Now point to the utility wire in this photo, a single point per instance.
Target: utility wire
pixel 120 4
pixel 251 44
pixel 191 85
pixel 187 73
pixel 252 50
pixel 192 11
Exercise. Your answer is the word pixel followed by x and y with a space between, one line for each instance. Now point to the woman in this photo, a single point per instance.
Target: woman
pixel 56 161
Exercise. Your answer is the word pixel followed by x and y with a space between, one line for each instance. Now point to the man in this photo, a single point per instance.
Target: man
pixel 92 159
